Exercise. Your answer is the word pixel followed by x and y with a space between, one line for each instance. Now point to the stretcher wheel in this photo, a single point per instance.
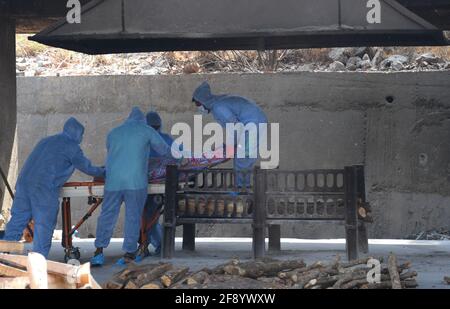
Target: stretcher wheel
pixel 72 254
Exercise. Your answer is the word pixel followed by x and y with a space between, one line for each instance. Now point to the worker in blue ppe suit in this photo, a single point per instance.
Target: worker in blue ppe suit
pixel 233 109
pixel 128 149
pixel 152 205
pixel 48 167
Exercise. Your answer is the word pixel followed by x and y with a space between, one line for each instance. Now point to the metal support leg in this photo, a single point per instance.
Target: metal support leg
pixel 274 237
pixel 70 251
pixel 351 215
pixel 363 238
pixel 189 237
pixel 259 214
pixel 168 245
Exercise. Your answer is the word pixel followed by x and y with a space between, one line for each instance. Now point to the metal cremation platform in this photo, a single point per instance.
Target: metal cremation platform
pixel 124 26
pixel 273 198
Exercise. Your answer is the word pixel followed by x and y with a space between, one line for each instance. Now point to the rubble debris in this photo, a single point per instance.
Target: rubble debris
pixel 269 274
pixel 395 62
pixel 337 66
pixel 427 59
pixel 46 61
pixel 35 272
pixel 439 234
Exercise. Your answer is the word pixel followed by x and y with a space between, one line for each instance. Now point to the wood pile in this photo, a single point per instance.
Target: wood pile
pixel 35 272
pixel 268 274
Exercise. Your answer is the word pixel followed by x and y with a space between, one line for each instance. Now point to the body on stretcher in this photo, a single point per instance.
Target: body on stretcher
pixel 97 189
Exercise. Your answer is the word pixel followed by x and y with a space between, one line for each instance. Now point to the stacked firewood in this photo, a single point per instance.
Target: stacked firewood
pixel 270 274
pixel 35 272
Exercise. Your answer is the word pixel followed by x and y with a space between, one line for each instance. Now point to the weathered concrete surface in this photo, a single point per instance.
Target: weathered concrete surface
pixel 7 102
pixel 327 120
pixel 429 258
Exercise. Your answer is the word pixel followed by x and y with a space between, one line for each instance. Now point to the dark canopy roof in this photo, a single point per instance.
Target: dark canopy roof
pixel 116 26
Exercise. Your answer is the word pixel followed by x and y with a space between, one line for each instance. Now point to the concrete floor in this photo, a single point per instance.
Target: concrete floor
pixel 431 259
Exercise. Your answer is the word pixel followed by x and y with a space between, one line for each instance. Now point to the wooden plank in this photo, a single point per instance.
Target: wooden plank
pixel 9 271
pixel 12 246
pixel 393 272
pixel 37 271
pixel 81 273
pixel 14 283
pixel 59 282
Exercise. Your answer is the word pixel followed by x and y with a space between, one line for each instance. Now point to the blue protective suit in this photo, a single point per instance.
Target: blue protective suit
pixel 155 234
pixel 232 109
pixel 127 178
pixel 48 167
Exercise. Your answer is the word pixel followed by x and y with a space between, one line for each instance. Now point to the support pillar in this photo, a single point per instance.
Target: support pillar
pixel 8 107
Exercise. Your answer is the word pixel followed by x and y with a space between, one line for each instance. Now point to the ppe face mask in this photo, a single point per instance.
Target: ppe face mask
pixel 203 110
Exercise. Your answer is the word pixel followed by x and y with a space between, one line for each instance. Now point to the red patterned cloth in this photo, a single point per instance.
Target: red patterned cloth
pixel 157 166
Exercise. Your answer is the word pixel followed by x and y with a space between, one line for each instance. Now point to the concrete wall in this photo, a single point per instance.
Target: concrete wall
pixel 7 104
pixel 327 120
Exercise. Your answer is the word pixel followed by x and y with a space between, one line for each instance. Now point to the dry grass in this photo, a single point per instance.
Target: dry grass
pixel 27 48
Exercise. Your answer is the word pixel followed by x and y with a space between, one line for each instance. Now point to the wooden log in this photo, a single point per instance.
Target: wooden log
pixel 354 283
pixel 275 282
pixel 393 272
pixel 407 284
pixel 226 282
pixel 37 271
pixel 400 268
pixel 114 285
pixel 219 270
pixel 197 278
pixel 256 269
pixel 131 285
pixel 133 270
pixel 59 282
pixel 306 277
pixel 357 262
pixel 12 247
pixel 362 212
pixel 174 276
pixel 155 285
pixel 153 274
pixel 14 283
pixel 338 281
pixel 408 275
pixel 296 272
pixel 9 271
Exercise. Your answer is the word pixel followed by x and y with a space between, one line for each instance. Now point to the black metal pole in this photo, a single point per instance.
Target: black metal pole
pixel 259 214
pixel 168 245
pixel 351 212
pixel 5 180
pixel 363 237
